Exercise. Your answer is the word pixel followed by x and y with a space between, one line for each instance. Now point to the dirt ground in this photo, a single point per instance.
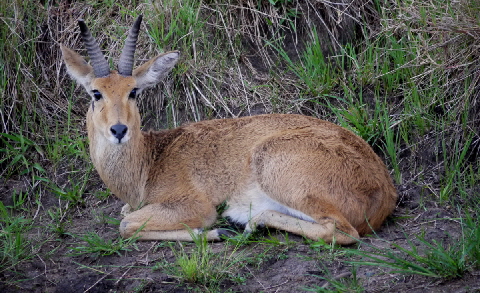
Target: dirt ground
pixel 289 267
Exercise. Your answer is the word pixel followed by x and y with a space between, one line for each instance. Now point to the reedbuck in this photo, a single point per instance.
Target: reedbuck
pixel 289 172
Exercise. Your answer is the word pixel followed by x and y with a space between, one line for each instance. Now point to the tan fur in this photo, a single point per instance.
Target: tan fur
pixel 289 172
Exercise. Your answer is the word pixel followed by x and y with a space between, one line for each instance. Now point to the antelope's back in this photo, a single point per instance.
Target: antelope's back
pixel 219 157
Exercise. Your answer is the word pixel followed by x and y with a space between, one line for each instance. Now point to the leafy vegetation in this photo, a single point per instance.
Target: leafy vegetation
pixel 348 282
pixel 97 245
pixel 202 266
pixel 14 246
pixel 403 75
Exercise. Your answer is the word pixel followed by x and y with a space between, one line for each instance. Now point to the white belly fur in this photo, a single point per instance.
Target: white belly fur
pixel 245 206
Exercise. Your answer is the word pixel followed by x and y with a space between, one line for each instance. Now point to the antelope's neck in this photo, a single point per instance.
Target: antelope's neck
pixel 123 167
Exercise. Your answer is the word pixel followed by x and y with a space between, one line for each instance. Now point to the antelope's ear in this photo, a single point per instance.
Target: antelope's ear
pixel 77 67
pixel 152 72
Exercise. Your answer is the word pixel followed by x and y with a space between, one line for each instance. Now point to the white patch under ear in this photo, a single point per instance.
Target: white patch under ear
pixel 152 72
pixel 84 80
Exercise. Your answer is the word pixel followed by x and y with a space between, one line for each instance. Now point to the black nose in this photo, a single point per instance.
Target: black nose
pixel 119 131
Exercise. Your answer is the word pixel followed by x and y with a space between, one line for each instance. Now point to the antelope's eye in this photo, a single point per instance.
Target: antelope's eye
pixel 133 94
pixel 97 95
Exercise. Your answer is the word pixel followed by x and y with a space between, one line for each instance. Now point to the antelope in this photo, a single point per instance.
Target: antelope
pixel 290 172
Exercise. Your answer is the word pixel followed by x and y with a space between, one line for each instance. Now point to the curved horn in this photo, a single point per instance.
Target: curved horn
pixel 125 63
pixel 99 63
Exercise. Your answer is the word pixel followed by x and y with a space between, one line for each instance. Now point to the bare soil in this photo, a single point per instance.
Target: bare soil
pixel 288 267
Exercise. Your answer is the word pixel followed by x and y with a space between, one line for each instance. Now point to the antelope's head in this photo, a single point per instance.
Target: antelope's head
pixel 114 113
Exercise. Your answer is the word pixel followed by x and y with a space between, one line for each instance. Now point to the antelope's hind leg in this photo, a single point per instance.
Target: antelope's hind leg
pixel 168 222
pixel 301 171
pixel 317 219
pixel 331 230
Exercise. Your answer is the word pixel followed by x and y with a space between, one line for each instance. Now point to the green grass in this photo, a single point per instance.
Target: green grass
pixel 73 193
pixel 97 245
pixel 207 270
pixel 201 266
pixel 14 246
pixel 312 69
pixel 176 24
pixel 346 282
pixel 17 153
pixel 455 170
pixel 432 258
pixel 409 89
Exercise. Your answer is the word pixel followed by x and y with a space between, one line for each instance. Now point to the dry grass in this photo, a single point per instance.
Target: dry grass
pixel 227 78
pixel 233 76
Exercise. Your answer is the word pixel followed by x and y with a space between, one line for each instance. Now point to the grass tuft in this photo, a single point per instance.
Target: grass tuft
pixel 432 258
pixel 202 266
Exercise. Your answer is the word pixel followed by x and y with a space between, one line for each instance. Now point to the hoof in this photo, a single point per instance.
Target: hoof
pixel 123 229
pixel 224 233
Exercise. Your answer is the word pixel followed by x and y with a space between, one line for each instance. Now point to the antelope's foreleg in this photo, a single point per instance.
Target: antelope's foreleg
pixel 162 221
